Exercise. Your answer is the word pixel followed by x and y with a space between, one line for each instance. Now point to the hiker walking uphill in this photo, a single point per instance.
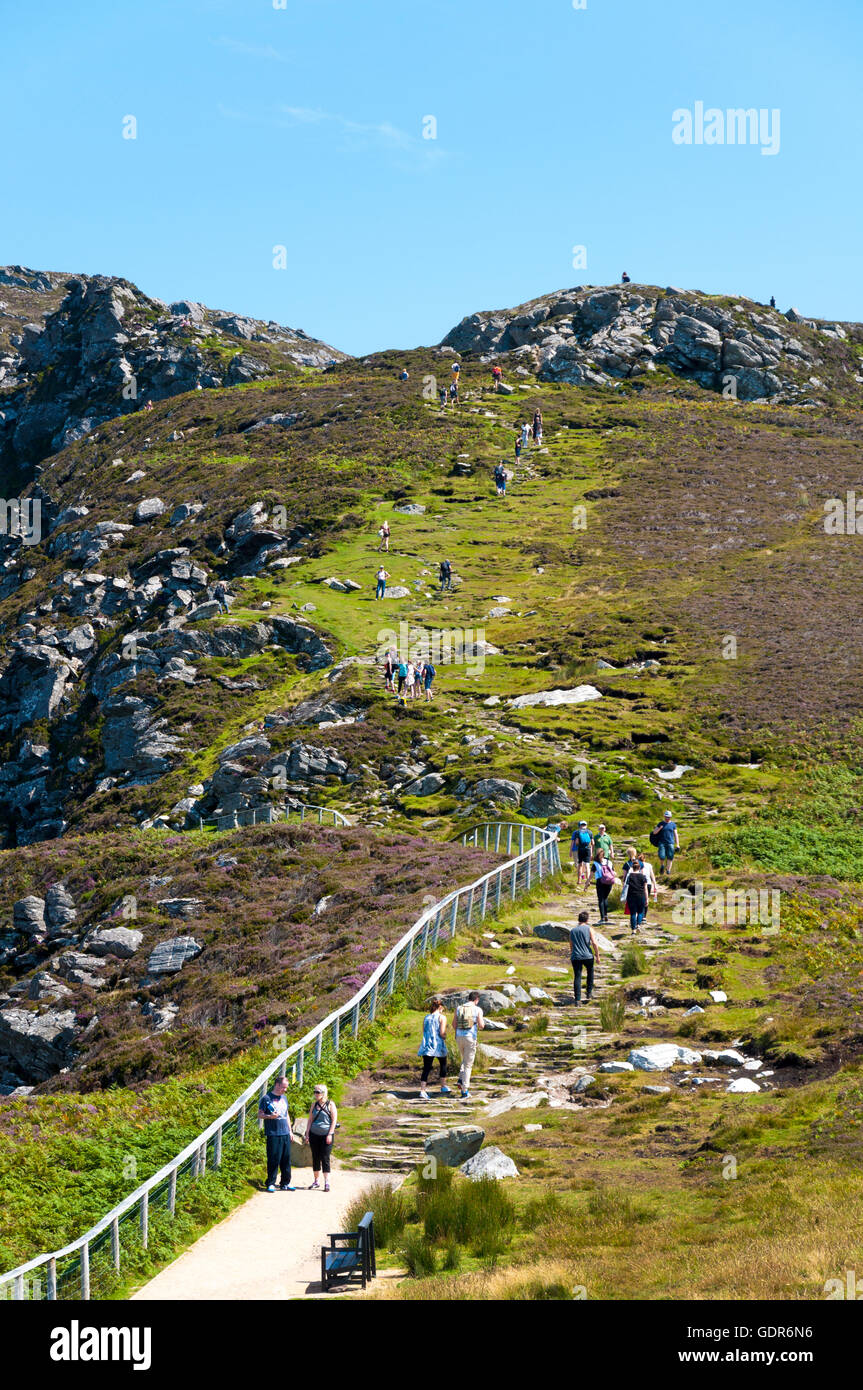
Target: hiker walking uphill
pixel 583 955
pixel 433 1048
pixel 445 575
pixel 384 533
pixel 273 1110
pixel 500 479
pixel 537 427
pixel 468 1020
pixel 605 879
pixel 320 1130
pixel 581 850
pixel 634 896
pixel 665 838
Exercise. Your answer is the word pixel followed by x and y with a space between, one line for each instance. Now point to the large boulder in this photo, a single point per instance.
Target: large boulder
pixel 170 956
pixel 553 931
pixel 122 942
pixel 544 804
pixel 60 910
pixel 40 1044
pixel 490 1162
pixel 577 696
pixel 453 1147
pixel 425 786
pixel 28 916
pixel 662 1056
pixel 148 510
pixel 498 789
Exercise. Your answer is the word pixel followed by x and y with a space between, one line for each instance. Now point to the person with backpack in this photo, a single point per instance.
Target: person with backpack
pixel 382 577
pixel 468 1020
pixel 442 394
pixel 453 391
pixel 401 677
pixel 500 479
pixel 583 955
pixel 647 869
pixel 428 675
pixel 273 1110
pixel 384 533
pixel 605 879
pixel 496 377
pixel 517 448
pixel 433 1048
pixel 665 838
pixel 633 898
pixel 320 1129
pixel 445 575
pixel 581 850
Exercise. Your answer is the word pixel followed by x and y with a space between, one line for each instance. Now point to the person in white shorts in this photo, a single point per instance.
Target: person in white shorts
pixel 468 1019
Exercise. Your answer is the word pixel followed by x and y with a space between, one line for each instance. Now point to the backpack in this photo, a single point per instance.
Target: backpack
pixel 655 836
pixel 584 838
pixel 462 1020
pixel 606 873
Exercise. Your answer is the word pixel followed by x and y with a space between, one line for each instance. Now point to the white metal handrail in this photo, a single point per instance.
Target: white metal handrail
pixel 534 861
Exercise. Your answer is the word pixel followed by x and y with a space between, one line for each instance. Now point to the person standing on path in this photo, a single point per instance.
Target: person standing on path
pixel 537 428
pixel 665 836
pixel 382 577
pixel 634 897
pixel 583 955
pixel 445 575
pixel 433 1047
pixel 517 448
pixel 468 1020
pixel 605 879
pixel 320 1129
pixel 273 1110
pixel 581 850
pixel 525 435
pixel 384 533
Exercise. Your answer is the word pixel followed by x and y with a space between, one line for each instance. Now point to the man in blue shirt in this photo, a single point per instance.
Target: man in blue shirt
pixel 668 842
pixel 273 1110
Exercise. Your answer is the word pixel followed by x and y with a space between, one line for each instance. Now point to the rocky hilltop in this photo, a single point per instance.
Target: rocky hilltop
pixel 76 350
pixel 604 336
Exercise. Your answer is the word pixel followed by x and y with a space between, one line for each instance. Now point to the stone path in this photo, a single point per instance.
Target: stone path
pixel 400 1121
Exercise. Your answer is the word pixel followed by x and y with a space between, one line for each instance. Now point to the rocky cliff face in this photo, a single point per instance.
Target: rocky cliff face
pixel 77 350
pixel 601 336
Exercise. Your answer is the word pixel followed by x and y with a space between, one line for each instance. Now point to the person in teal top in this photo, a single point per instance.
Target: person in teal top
pixel 433 1047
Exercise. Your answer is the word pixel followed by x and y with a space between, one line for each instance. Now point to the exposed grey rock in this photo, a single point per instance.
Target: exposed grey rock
pixel 114 941
pixel 45 986
pixel 181 907
pixel 452 1147
pixel 544 804
pixel 490 1162
pixel 148 510
pixel 28 916
pixel 186 511
pixel 170 956
pixel 553 931
pixel 498 789
pixel 410 508
pixel 60 910
pixel 617 1067
pixel 582 1083
pixel 425 786
pixel 39 1044
pixel 662 1056
pixel 577 696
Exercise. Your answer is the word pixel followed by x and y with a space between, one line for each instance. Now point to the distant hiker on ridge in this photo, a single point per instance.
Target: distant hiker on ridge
pixel 624 279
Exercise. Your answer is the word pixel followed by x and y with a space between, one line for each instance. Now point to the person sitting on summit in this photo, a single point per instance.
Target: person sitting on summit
pixel 624 279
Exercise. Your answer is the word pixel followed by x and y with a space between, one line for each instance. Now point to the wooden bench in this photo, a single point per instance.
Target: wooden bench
pixel 350 1255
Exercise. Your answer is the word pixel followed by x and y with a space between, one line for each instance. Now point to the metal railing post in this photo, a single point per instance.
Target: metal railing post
pixel 355 1018
pixel 145 1219
pixel 217 1148
pixel 301 1057
pixel 51 1292
pixel 115 1243
pixel 484 899
pixel 373 1000
pixel 499 887
pixel 319 1042
pixel 514 880
pixel 336 1033
pixel 85 1270
pixel 521 839
pixel 172 1191
pixel 497 838
pixel 454 919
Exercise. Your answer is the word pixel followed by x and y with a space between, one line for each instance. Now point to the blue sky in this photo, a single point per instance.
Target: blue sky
pixel 303 127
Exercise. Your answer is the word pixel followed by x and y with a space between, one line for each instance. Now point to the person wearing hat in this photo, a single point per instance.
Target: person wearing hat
pixel 604 842
pixel 581 850
pixel 667 842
